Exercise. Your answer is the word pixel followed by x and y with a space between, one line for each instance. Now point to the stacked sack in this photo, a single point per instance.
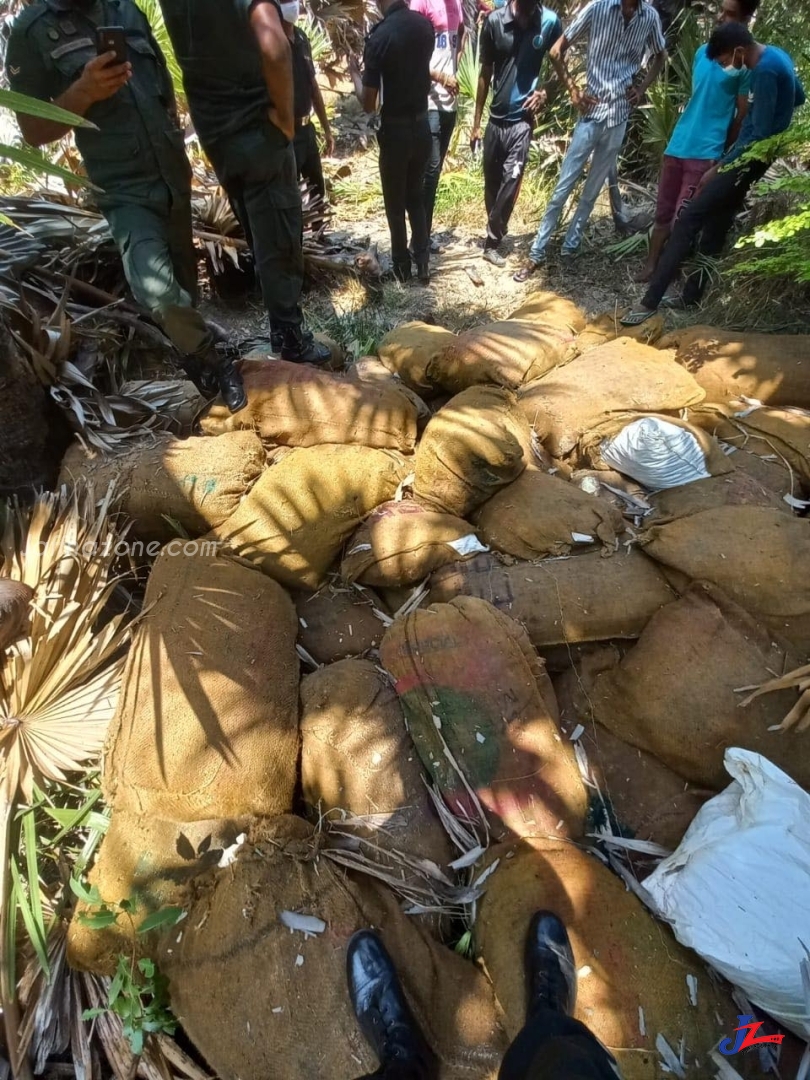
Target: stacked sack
pixel 535 570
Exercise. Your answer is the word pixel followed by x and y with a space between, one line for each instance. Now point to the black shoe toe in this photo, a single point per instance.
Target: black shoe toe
pixel 550 973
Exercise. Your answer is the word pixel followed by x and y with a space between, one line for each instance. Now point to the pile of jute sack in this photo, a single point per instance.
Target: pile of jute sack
pixel 534 573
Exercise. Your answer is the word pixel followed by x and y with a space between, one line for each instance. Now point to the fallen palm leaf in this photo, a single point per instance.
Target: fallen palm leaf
pixel 799 715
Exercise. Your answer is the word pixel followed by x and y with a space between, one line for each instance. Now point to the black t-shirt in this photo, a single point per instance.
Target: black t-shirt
pixel 303 74
pixel 517 55
pixel 397 61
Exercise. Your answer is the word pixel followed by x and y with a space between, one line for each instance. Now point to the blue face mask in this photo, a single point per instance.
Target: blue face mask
pixel 500 3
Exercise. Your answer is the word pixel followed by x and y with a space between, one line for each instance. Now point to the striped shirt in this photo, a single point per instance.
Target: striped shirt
pixel 616 51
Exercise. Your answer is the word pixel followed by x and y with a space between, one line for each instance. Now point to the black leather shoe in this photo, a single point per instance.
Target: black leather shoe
pixel 203 376
pixel 231 386
pixel 402 272
pixel 382 1012
pixel 423 273
pixel 551 977
pixel 300 347
pixel 276 341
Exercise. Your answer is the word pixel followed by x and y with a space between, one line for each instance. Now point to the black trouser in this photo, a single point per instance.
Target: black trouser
pixel 256 168
pixel 551 1046
pixel 404 152
pixel 506 150
pixel 442 125
pixel 308 158
pixel 707 219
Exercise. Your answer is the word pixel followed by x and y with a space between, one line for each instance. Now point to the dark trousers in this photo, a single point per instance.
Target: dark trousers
pixel 404 152
pixel 442 125
pixel 308 158
pixel 506 150
pixel 550 1047
pixel 256 168
pixel 707 219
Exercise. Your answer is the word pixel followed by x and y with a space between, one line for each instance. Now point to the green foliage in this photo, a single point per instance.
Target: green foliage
pixel 26 156
pixel 152 11
pixel 319 40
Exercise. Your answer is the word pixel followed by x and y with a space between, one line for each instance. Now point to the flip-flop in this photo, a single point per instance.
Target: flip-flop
pixel 636 318
pixel 674 303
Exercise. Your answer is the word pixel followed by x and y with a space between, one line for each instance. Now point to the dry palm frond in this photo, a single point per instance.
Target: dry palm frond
pixel 799 715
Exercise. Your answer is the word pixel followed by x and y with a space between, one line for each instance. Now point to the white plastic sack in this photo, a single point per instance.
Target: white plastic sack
pixel 656 453
pixel 737 889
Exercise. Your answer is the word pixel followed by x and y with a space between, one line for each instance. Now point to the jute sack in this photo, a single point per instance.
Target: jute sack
pixel 334 624
pixel 295 1020
pixel 757 555
pixel 301 405
pixel 370 369
pixel 561 601
pixel 782 435
pixel 737 488
pixel 408 351
pixel 622 376
pixel 645 798
pixel 298 516
pixel 634 977
pixel 147 861
pixel 607 327
pixel 471 447
pixel 772 368
pixel 207 720
pixel 400 543
pixel 550 309
pixel 508 353
pixel 539 514
pixel 195 482
pixel 357 756
pixel 677 692
pixel 15 597
pixel 470 681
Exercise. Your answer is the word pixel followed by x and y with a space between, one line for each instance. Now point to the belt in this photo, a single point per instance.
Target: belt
pixel 301 121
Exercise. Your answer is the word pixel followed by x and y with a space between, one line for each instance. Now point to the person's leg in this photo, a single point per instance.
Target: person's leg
pixel 670 184
pixel 576 158
pixel 181 243
pixel 605 151
pixel 421 146
pixel 515 140
pixel 310 167
pixel 617 207
pixel 494 156
pixel 433 167
pixel 395 145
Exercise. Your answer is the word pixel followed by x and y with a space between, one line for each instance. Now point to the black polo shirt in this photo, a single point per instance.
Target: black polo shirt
pixel 517 56
pixel 303 70
pixel 396 61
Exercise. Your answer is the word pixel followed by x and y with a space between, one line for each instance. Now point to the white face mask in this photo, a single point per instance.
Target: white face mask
pixel 731 69
pixel 290 11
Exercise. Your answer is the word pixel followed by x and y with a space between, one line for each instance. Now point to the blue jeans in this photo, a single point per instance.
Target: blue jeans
pixel 592 140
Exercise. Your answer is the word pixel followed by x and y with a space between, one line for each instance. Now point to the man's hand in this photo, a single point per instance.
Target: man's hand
pixel 475 136
pixel 635 95
pixel 535 102
pixel 101 79
pixel 329 143
pixel 450 82
pixel 707 178
pixel 583 102
pixel 286 126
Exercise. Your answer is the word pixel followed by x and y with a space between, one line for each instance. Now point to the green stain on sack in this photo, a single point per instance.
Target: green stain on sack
pixel 471 733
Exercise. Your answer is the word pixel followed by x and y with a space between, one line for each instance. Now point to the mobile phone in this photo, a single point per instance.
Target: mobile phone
pixel 112 39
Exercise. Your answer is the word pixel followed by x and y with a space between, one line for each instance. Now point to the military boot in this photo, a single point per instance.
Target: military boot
pixel 300 347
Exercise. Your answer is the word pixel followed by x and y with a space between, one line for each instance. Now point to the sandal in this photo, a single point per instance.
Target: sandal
pixel 525 272
pixel 636 318
pixel 674 303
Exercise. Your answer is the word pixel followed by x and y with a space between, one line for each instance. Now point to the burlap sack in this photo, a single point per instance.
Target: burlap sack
pixel 715 462
pixel 772 368
pixel 607 327
pixel 298 516
pixel 408 351
pixel 259 1001
pixel 401 543
pixel 471 447
pixel 357 756
pixel 643 797
pixel 757 555
pixel 738 488
pixel 508 353
pixel 301 405
pixel 334 624
pixel 780 435
pixel 677 692
pixel 195 483
pixel 539 514
pixel 207 719
pixel 633 976
pixel 470 682
pixel 560 601
pixel 370 369
pixel 551 310
pixel 147 861
pixel 622 376
pixel 15 597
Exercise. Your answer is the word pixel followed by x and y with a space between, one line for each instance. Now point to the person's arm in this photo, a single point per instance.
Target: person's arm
pixel 765 97
pixel 635 94
pixel 320 111
pixel 736 123
pixel 487 55
pixel 265 22
pixel 579 98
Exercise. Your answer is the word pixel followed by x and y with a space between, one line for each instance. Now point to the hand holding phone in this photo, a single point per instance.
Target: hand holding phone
pixel 112 39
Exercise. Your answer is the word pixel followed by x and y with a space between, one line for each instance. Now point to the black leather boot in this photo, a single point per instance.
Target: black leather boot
pixel 423 272
pixel 300 347
pixel 231 386
pixel 551 977
pixel 382 1011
